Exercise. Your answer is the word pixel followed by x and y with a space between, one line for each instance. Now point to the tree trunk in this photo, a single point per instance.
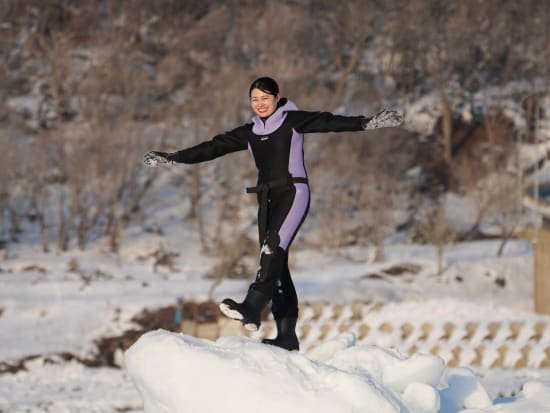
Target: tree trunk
pixel 14 225
pixel 43 233
pixel 446 126
pixel 440 251
pixel 62 228
pixel 343 72
pixel 195 211
pixel 505 238
pixel 114 236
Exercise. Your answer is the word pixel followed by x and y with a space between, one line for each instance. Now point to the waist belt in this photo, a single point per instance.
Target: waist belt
pixel 262 189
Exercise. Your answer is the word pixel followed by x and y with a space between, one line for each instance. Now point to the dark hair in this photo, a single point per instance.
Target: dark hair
pixel 266 85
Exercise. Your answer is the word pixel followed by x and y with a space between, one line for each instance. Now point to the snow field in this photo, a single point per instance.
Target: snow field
pixel 52 385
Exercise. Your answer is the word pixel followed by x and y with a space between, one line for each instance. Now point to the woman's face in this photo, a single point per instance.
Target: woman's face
pixel 263 104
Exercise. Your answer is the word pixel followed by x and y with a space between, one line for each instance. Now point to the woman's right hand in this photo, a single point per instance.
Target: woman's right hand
pixel 153 159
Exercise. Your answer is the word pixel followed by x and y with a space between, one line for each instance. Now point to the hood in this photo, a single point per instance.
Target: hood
pixel 275 120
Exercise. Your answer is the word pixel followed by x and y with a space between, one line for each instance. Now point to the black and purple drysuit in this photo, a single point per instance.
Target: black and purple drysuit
pixel 276 144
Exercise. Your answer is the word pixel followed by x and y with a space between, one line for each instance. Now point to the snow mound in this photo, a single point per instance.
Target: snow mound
pixel 175 372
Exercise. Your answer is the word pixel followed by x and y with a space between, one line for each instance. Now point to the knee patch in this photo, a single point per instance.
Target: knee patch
pixel 271 242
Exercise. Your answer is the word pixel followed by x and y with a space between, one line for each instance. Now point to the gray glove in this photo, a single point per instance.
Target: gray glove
pixel 153 159
pixel 383 119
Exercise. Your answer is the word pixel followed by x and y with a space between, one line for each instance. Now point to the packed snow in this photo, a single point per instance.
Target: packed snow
pixel 180 373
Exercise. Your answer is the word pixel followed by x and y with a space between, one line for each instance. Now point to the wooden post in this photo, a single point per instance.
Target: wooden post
pixel 542 269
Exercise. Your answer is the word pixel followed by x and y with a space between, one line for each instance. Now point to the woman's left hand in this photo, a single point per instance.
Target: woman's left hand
pixel 383 119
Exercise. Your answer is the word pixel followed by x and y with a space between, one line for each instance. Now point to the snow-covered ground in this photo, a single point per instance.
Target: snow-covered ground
pixel 178 373
pixel 49 309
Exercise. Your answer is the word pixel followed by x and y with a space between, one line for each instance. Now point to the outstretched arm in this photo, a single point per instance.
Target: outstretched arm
pixel 311 122
pixel 219 145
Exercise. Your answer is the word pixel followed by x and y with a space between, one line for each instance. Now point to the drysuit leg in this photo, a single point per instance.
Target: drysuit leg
pixel 287 209
pixel 285 300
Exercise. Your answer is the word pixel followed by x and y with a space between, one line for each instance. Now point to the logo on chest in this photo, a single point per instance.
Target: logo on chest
pixel 264 138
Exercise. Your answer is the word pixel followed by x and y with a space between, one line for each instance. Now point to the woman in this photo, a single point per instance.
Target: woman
pixel 275 140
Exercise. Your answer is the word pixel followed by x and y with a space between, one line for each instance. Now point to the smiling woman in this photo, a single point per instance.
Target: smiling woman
pixel 275 139
pixel 264 96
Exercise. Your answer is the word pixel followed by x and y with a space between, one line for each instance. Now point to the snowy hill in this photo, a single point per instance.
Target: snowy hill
pixel 176 373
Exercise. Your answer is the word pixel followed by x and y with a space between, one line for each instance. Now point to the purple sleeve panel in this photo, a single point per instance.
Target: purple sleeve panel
pixel 296 165
pixel 295 216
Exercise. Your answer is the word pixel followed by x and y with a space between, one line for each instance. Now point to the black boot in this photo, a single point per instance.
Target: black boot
pixel 248 312
pixel 286 334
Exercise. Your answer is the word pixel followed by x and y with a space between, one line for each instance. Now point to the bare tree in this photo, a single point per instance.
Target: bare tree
pixel 503 211
pixel 7 183
pixel 343 34
pixel 435 229
pixel 380 203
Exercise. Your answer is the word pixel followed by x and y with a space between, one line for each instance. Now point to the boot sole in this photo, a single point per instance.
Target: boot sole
pixel 250 326
pixel 229 312
pixel 290 347
pixel 236 315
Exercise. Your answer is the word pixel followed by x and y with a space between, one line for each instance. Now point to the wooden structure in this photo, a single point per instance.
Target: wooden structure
pixel 521 343
pixel 542 268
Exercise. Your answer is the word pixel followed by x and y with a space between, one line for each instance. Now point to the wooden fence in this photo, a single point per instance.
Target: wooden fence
pixel 500 343
pixel 541 246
